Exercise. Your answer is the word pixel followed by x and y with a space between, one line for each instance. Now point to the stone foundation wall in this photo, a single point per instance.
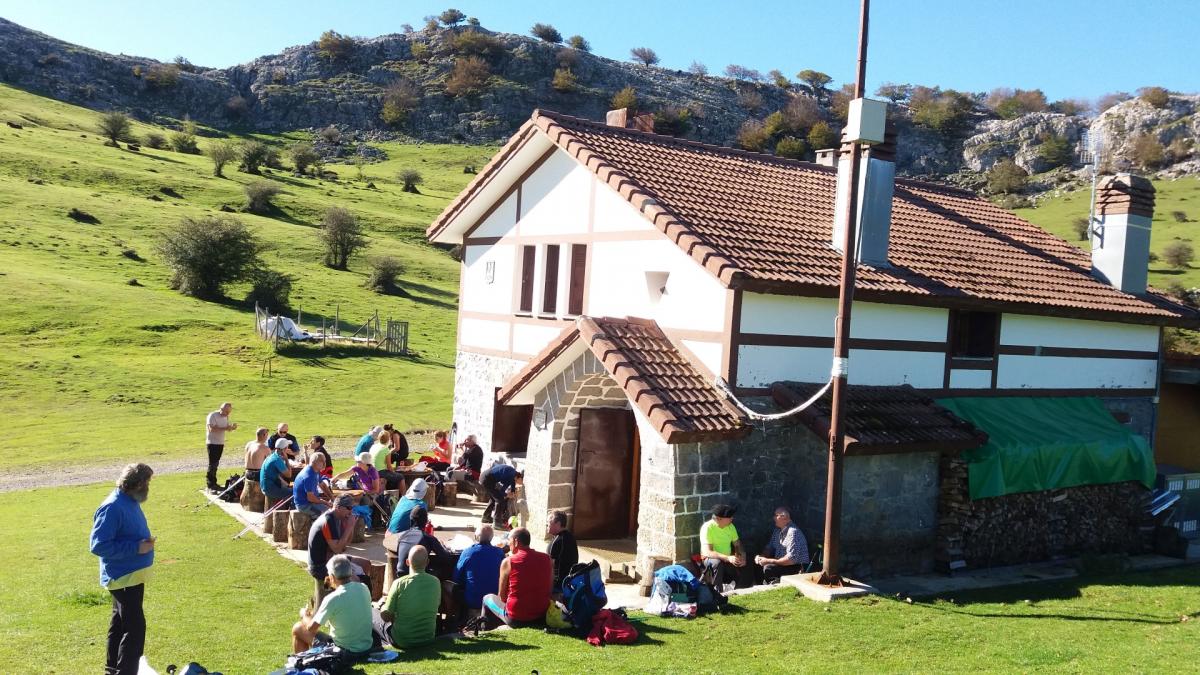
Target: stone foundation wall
pixel 476 377
pixel 1137 414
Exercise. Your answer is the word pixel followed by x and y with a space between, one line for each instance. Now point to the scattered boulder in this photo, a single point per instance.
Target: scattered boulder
pixel 81 216
pixel 132 282
pixel 170 192
pixel 14 125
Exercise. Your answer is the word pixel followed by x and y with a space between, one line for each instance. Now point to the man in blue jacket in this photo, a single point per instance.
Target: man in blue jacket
pixel 121 538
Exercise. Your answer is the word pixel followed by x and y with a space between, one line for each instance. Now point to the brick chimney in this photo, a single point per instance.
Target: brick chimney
pixel 877 184
pixel 628 119
pixel 1121 234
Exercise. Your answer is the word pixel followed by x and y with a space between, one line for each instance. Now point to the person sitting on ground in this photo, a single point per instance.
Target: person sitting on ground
pixel 721 548
pixel 526 576
pixel 368 439
pixel 470 457
pixel 387 461
pixel 413 498
pixel 415 535
pixel 478 571
pixel 317 445
pixel 306 491
pixel 347 611
pixel 786 552
pixel 273 476
pixel 563 550
pixel 500 482
pixel 282 432
pixel 330 535
pixel 256 453
pixel 408 615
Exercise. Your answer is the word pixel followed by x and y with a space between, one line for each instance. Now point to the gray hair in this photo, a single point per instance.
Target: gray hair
pixel 339 567
pixel 134 476
pixel 483 533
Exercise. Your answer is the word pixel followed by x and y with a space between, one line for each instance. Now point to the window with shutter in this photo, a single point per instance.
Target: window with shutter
pixel 578 271
pixel 528 255
pixel 550 294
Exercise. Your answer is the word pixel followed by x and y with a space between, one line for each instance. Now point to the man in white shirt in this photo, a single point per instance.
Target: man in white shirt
pixel 217 424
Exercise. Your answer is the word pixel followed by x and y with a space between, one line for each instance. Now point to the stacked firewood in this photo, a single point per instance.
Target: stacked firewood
pixel 1033 526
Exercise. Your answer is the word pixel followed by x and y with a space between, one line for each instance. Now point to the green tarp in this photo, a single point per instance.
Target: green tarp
pixel 1049 443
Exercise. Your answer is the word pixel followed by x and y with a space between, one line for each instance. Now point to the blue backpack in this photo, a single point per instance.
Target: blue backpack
pixel 583 594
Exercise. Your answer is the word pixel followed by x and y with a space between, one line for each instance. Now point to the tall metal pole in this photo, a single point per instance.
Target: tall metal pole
pixel 841 340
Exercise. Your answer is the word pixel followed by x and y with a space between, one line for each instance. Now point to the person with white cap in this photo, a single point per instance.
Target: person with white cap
pixel 368 439
pixel 273 476
pixel 364 473
pixel 414 497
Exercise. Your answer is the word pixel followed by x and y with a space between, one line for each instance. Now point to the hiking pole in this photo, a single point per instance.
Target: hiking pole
pixel 235 484
pixel 269 511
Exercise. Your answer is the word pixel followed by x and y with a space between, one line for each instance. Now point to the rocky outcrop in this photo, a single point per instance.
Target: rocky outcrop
pixel 1120 126
pixel 1021 140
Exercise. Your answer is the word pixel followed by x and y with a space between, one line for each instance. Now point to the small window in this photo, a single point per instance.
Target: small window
pixel 528 255
pixel 550 289
pixel 578 277
pixel 973 334
pixel 510 427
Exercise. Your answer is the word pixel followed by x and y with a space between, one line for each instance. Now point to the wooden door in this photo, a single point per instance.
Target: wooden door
pixel 605 474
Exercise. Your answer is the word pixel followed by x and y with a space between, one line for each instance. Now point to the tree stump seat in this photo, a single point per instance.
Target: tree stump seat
pixel 299 523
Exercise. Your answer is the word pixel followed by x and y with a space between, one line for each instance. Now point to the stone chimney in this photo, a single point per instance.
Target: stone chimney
pixel 627 119
pixel 877 184
pixel 1121 234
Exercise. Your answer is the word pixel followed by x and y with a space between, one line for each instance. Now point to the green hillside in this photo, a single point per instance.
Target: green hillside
pixel 93 368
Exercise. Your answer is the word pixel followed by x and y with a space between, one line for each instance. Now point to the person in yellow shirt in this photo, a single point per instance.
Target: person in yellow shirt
pixel 721 548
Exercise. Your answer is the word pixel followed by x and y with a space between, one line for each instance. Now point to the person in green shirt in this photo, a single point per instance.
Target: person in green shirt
pixel 347 611
pixel 408 615
pixel 722 549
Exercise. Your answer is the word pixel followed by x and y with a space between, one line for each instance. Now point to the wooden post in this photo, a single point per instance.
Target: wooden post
pixel 337 319
pixel 389 572
pixel 279 527
pixel 378 575
pixel 252 496
pixel 360 532
pixel 298 524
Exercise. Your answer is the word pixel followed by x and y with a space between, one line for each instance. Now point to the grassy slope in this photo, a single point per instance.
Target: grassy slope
pixel 94 369
pixel 235 615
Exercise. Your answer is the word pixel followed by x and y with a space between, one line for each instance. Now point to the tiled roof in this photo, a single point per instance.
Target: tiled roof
pixel 763 223
pixel 881 420
pixel 677 398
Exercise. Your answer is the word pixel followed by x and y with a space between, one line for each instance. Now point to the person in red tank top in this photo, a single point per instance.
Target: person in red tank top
pixel 526 577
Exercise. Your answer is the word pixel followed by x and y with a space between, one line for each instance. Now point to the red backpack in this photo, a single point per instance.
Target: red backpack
pixel 609 627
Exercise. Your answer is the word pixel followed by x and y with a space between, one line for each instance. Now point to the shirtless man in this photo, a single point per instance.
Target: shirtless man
pixel 257 451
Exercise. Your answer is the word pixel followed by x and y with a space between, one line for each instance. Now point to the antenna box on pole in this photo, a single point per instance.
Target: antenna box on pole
pixel 867 121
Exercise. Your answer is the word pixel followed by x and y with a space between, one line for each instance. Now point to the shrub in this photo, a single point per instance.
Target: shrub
pixel 1155 96
pixel 204 254
pixel 566 57
pixel 839 102
pixel 470 76
pixel 752 136
pixel 1071 106
pixel 1179 216
pixel 48 60
pixel 431 24
pixel 815 79
pixel 1006 177
pixel 302 155
pixel 943 111
pixel 801 113
pixel 1056 150
pixel 564 80
pixel 162 76
pixel 1179 149
pixel 821 136
pixel 154 140
pixel 115 126
pixel 1109 100
pixel 737 72
pixel 269 289
pixel 236 106
pixel 451 17
pixel 474 43
pixel 779 79
pixel 546 33
pixel 273 158
pixel 81 216
pixel 673 121
pixel 471 21
pixel 342 236
pixel 399 99
pixel 579 42
pixel 1010 104
pixel 406 28
pixel 698 68
pixel 259 195
pixel 1146 151
pixel 221 153
pixel 1081 227
pixel 1179 254
pixel 420 51
pixel 626 98
pixel 331 135
pixel 894 92
pixel 643 55
pixel 333 46
pixel 776 125
pixel 749 98
pixel 253 155
pixel 410 178
pixel 186 66
pixel 791 147
pixel 382 277
pixel 184 140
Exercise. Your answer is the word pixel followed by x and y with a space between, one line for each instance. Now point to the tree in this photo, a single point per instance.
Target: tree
pixel 893 92
pixel 1109 100
pixel 184 140
pixel 154 140
pixel 236 106
pixel 1011 104
pixel 839 102
pixel 779 79
pixel 643 55
pixel 205 254
pixel 752 136
pixel 474 43
pixel 471 21
pixel 399 99
pixel 815 79
pixel 431 24
pixel 1155 96
pixel 546 33
pixel 331 135
pixel 359 162
pixel 564 80
pixel 259 195
pixel 1056 150
pixel 749 98
pixel 698 68
pixel 1005 177
pixel 821 137
pixel 626 98
pixel 579 42
pixel 333 46
pixel 1081 227
pixel 253 155
pixel 452 17
pixel 221 153
pixel 1071 106
pixel 115 126
pixel 382 278
pixel 673 121
pixel 469 76
pixel 411 178
pixel 162 76
pixel 1179 254
pixel 303 155
pixel 270 289
pixel 943 111
pixel 342 236
pixel 186 66
pixel 1146 151
pixel 737 72
pixel 801 113
pixel 791 147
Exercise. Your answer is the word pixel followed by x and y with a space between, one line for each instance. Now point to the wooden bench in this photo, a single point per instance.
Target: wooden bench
pixel 299 524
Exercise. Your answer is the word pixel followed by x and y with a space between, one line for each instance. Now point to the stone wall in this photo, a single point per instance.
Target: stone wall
pixel 1136 413
pixel 476 377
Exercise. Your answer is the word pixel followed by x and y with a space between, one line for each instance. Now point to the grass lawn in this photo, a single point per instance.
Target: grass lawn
pixel 229 605
pixel 94 369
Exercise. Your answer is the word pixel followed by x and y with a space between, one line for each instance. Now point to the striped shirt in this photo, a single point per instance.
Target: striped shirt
pixel 788 542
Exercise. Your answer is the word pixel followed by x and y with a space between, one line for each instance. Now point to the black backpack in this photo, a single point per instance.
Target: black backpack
pixel 235 494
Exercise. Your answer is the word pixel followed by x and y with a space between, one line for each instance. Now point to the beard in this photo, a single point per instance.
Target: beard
pixel 140 496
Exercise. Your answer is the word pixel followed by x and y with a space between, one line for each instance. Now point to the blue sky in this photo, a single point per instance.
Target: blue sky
pixel 1068 48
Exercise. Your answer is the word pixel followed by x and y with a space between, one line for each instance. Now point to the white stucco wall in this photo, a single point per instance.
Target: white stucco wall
pixel 790 315
pixel 961 378
pixel 618 285
pixel 1046 331
pixel 501 221
pixel 759 366
pixel 554 198
pixel 496 296
pixel 483 333
pixel 708 353
pixel 529 340
pixel 1064 372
